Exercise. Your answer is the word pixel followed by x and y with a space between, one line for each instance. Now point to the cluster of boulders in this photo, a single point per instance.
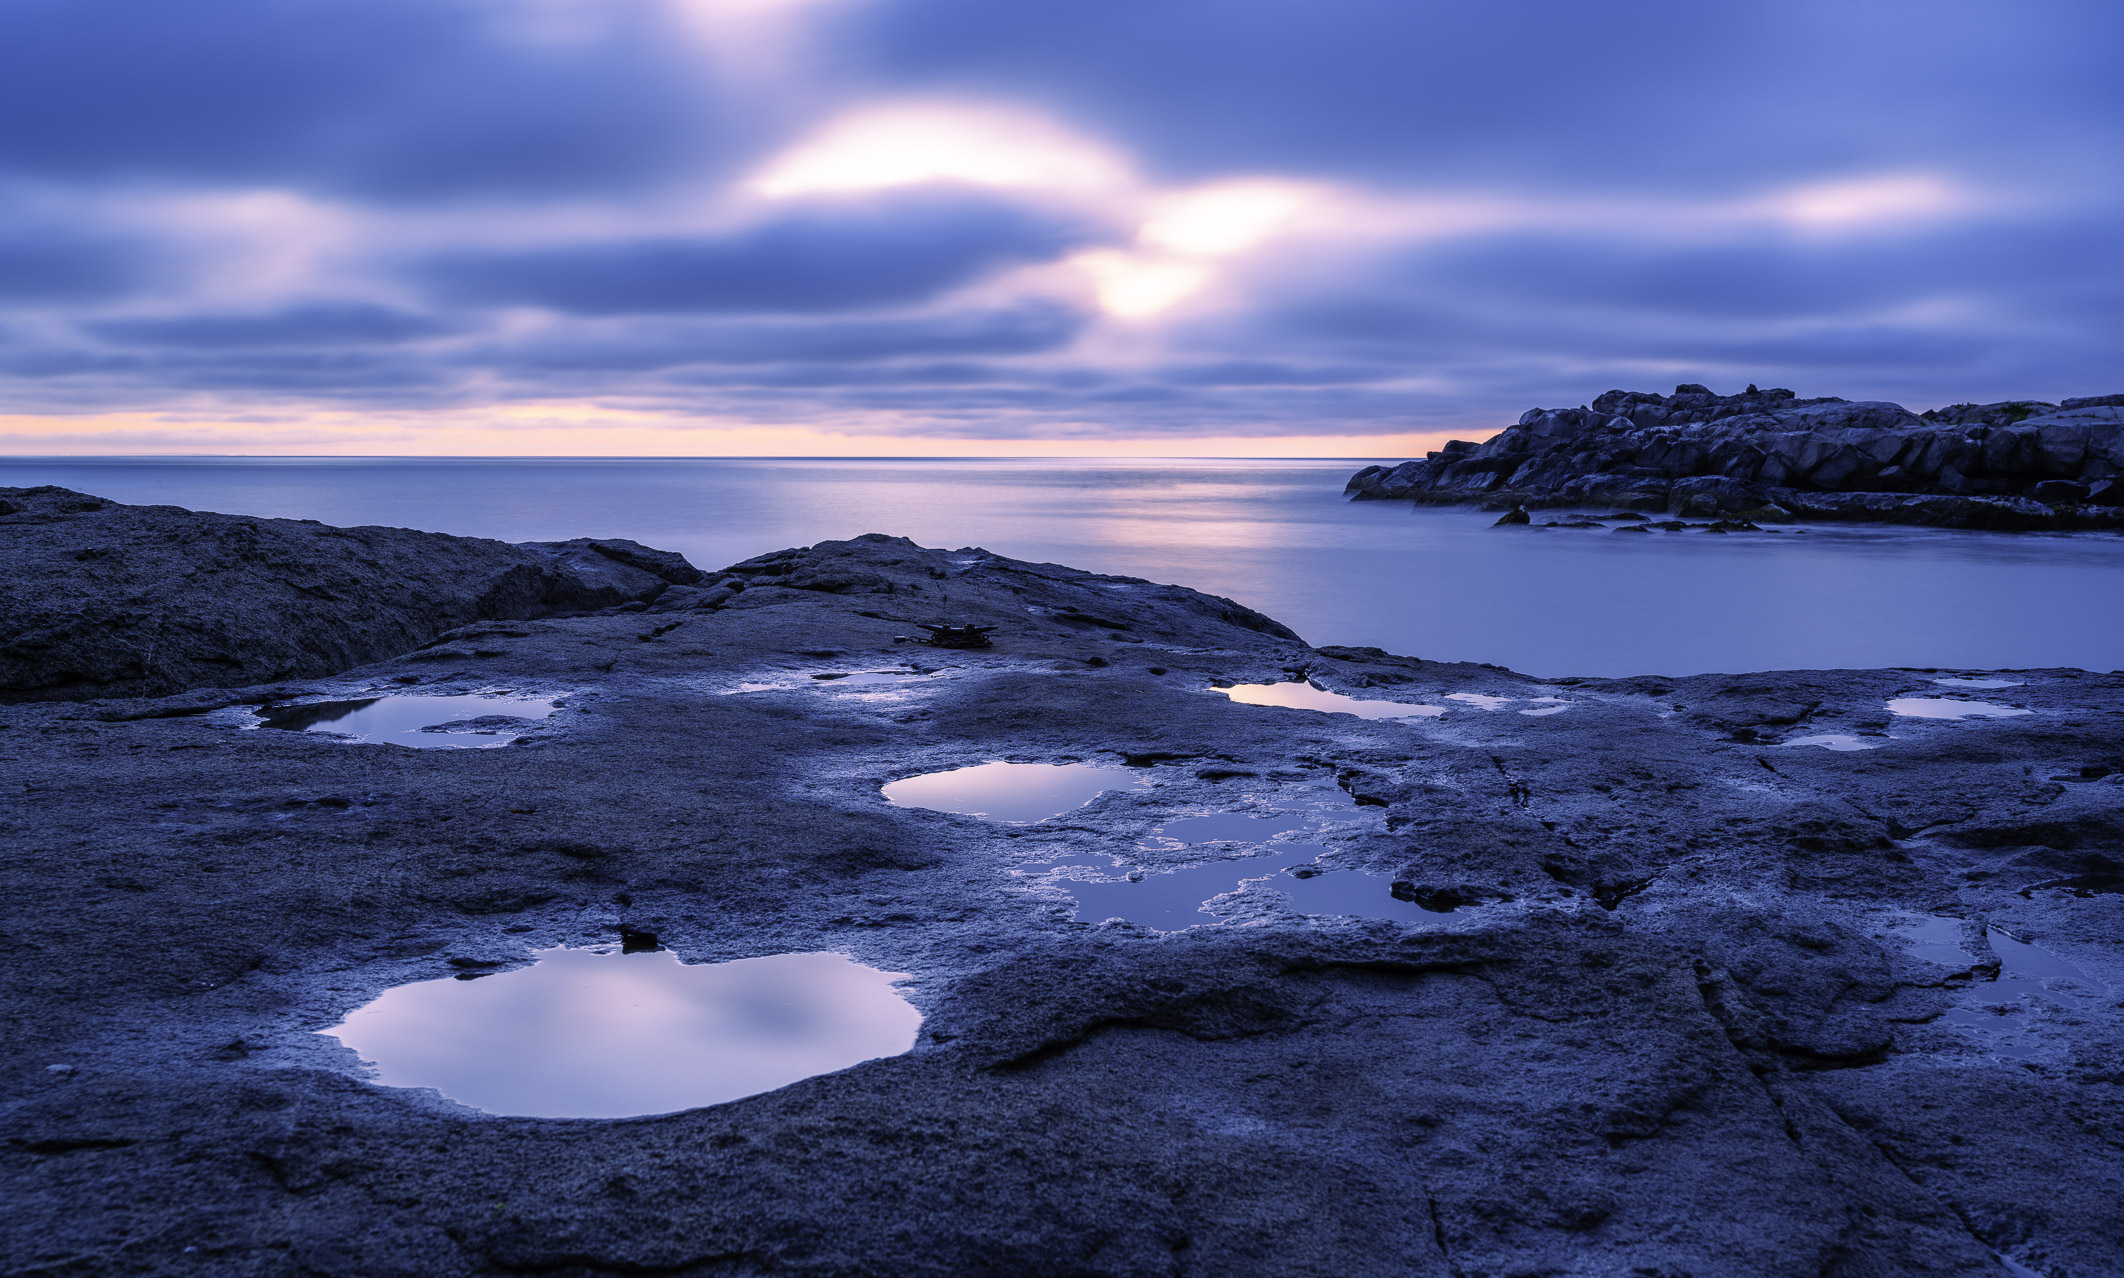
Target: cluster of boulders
pixel 1767 454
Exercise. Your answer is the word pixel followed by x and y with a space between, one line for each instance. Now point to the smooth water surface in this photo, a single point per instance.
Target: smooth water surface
pixel 600 1034
pixel 1301 695
pixel 1951 708
pixel 1013 793
pixel 1274 535
pixel 1836 741
pixel 421 722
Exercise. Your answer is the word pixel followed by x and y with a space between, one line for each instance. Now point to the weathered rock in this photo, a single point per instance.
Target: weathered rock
pixel 1673 1022
pixel 2017 465
pixel 99 599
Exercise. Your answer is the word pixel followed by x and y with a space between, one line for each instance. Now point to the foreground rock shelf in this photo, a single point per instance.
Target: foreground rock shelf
pixel 1769 455
pixel 1685 996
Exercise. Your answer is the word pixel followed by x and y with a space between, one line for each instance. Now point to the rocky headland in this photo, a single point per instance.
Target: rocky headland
pixel 1768 455
pixel 1744 975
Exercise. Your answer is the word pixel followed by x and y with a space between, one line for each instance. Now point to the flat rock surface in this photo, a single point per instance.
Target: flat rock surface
pixel 1666 1014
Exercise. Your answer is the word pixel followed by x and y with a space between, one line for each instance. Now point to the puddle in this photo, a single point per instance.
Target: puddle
pixel 1241 826
pixel 1950 708
pixel 1300 695
pixel 464 721
pixel 1016 793
pixel 1834 741
pixel 1978 683
pixel 1353 892
pixel 1998 1009
pixel 868 678
pixel 603 1034
pixel 1547 705
pixel 1483 700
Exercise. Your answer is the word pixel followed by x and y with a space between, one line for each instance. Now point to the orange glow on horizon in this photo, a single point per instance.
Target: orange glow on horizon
pixel 577 431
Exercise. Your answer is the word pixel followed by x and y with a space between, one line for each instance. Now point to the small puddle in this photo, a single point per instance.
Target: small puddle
pixel 1240 826
pixel 1483 700
pixel 461 722
pixel 868 678
pixel 1978 683
pixel 603 1034
pixel 1998 1009
pixel 1951 708
pixel 1014 793
pixel 1834 741
pixel 1301 695
pixel 1547 705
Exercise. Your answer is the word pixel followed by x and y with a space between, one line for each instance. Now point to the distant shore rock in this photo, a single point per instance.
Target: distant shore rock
pixel 1767 454
pixel 99 599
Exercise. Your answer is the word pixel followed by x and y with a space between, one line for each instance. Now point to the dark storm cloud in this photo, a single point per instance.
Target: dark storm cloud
pixel 318 324
pixel 396 99
pixel 873 253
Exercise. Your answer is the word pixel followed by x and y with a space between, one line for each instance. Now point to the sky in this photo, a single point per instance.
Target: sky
pixel 1343 228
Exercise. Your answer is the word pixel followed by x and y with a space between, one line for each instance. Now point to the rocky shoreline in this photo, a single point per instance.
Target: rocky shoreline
pixel 1720 975
pixel 1767 455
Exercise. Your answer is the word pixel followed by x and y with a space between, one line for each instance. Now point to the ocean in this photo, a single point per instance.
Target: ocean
pixel 1275 535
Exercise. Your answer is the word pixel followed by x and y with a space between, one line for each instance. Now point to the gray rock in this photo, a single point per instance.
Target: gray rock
pixel 1674 1022
pixel 99 599
pixel 1696 453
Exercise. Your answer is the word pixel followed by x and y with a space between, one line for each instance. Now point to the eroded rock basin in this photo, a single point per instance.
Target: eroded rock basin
pixel 609 1034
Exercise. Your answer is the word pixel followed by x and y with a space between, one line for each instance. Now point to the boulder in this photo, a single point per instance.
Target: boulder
pixel 99 599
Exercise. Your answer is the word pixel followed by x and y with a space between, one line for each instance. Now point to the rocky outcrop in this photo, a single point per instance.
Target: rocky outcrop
pixel 99 599
pixel 1767 453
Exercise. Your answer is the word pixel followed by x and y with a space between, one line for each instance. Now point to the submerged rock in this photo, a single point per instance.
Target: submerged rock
pixel 99 599
pixel 2019 465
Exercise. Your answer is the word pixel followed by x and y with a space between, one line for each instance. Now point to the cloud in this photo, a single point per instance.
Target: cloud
pixel 316 324
pixel 831 258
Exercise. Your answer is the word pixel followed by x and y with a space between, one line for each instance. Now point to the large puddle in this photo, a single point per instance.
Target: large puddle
pixel 1300 695
pixel 1014 793
pixel 1951 708
pixel 459 722
pixel 604 1034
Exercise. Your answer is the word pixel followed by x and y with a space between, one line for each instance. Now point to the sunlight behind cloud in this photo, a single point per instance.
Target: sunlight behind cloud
pixel 1869 201
pixel 1225 218
pixel 912 144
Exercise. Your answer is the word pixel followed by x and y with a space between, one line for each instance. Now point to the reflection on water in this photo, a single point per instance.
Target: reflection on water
pixel 1274 535
pixel 421 722
pixel 597 1034
pixel 1835 741
pixel 1245 827
pixel 1978 683
pixel 1014 793
pixel 1301 695
pixel 1950 708
pixel 1997 1010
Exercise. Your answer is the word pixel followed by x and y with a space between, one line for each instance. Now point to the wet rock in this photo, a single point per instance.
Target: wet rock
pixel 1515 516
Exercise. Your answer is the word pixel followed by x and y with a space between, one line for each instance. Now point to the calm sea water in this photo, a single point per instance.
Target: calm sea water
pixel 1276 535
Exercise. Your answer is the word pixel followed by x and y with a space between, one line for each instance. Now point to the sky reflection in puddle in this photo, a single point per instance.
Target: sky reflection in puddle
pixel 1998 1008
pixel 869 678
pixel 1013 793
pixel 1951 708
pixel 1181 899
pixel 1978 683
pixel 600 1034
pixel 409 720
pixel 1834 741
pixel 1300 695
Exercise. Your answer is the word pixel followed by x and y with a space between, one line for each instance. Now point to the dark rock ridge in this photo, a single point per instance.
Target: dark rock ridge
pixel 99 599
pixel 2022 464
